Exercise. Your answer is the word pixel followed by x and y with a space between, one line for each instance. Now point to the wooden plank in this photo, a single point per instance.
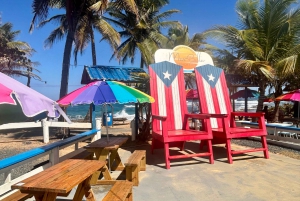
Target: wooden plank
pixel 120 191
pixel 112 143
pixel 136 157
pixel 62 177
pixel 17 196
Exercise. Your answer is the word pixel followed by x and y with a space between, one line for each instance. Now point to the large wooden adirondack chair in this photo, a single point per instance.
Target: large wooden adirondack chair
pixel 214 99
pixel 170 126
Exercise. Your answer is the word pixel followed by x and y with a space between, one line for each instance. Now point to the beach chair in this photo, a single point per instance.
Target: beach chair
pixel 214 99
pixel 170 126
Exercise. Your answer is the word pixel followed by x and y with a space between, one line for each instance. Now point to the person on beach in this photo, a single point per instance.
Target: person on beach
pixel 266 111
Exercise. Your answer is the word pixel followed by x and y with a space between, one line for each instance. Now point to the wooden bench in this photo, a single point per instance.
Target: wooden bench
pixel 135 163
pixel 120 119
pixel 17 196
pixel 120 191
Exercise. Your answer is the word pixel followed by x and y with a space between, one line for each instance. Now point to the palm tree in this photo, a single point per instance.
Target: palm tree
pixel 267 43
pixel 142 31
pixel 180 36
pixel 77 12
pixel 14 55
pixel 85 34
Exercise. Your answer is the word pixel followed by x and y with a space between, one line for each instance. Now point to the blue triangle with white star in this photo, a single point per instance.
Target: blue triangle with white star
pixel 210 73
pixel 166 71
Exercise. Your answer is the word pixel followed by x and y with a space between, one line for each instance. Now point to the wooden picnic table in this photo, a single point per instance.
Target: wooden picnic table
pixel 60 179
pixel 104 148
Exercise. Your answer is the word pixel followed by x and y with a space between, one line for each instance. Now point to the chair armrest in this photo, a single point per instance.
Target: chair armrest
pixel 249 114
pixel 219 115
pixel 198 116
pixel 161 118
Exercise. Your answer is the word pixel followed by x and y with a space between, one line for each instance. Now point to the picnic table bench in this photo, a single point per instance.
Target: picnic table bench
pixel 120 119
pixel 135 163
pixel 120 191
pixel 17 196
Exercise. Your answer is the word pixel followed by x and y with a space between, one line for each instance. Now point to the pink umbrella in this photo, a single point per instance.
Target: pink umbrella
pixel 191 94
pixel 290 96
pixel 6 95
pixel 31 102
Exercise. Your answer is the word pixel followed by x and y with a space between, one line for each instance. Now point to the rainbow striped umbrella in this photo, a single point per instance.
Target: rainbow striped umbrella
pixel 105 92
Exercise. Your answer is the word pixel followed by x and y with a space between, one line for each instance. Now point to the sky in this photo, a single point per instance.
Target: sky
pixel 198 15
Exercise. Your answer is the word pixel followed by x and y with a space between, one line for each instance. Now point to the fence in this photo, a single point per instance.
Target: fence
pixel 45 125
pixel 7 165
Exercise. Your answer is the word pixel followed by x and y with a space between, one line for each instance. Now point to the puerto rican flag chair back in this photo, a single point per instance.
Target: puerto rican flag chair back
pixel 214 99
pixel 167 88
pixel 214 94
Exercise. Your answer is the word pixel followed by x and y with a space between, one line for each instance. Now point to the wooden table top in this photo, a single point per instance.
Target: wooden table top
pixel 111 143
pixel 60 178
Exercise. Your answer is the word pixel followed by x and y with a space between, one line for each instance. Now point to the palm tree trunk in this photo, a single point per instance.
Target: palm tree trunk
pixel 94 58
pixel 66 64
pixel 260 103
pixel 142 62
pixel 262 91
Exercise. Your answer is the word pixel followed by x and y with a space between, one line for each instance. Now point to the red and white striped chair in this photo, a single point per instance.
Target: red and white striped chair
pixel 170 126
pixel 214 99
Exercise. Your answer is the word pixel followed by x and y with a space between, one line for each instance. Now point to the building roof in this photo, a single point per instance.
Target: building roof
pixel 116 73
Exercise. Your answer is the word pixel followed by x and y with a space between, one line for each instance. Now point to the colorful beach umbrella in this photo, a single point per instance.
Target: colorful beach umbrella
pixel 290 96
pixel 6 95
pixel 105 92
pixel 191 94
pixel 245 93
pixel 269 98
pixel 31 102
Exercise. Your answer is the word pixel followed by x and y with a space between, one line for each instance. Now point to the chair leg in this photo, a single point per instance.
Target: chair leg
pixel 228 147
pixel 152 146
pixel 265 146
pixel 210 150
pixel 167 155
pixel 182 146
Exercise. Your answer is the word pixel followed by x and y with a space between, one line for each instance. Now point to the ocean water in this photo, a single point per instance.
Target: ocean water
pixel 128 110
pixel 118 111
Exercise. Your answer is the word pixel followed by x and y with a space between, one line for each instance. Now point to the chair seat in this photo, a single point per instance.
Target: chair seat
pixel 180 135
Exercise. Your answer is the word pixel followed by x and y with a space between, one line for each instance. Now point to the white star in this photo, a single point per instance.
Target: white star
pixel 167 75
pixel 211 77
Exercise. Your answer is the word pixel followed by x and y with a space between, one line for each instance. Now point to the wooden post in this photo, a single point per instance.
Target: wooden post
pixel 45 126
pixel 98 126
pixel 54 156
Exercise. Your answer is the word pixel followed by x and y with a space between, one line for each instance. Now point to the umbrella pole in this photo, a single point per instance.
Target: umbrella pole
pixel 107 138
pixel 298 114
